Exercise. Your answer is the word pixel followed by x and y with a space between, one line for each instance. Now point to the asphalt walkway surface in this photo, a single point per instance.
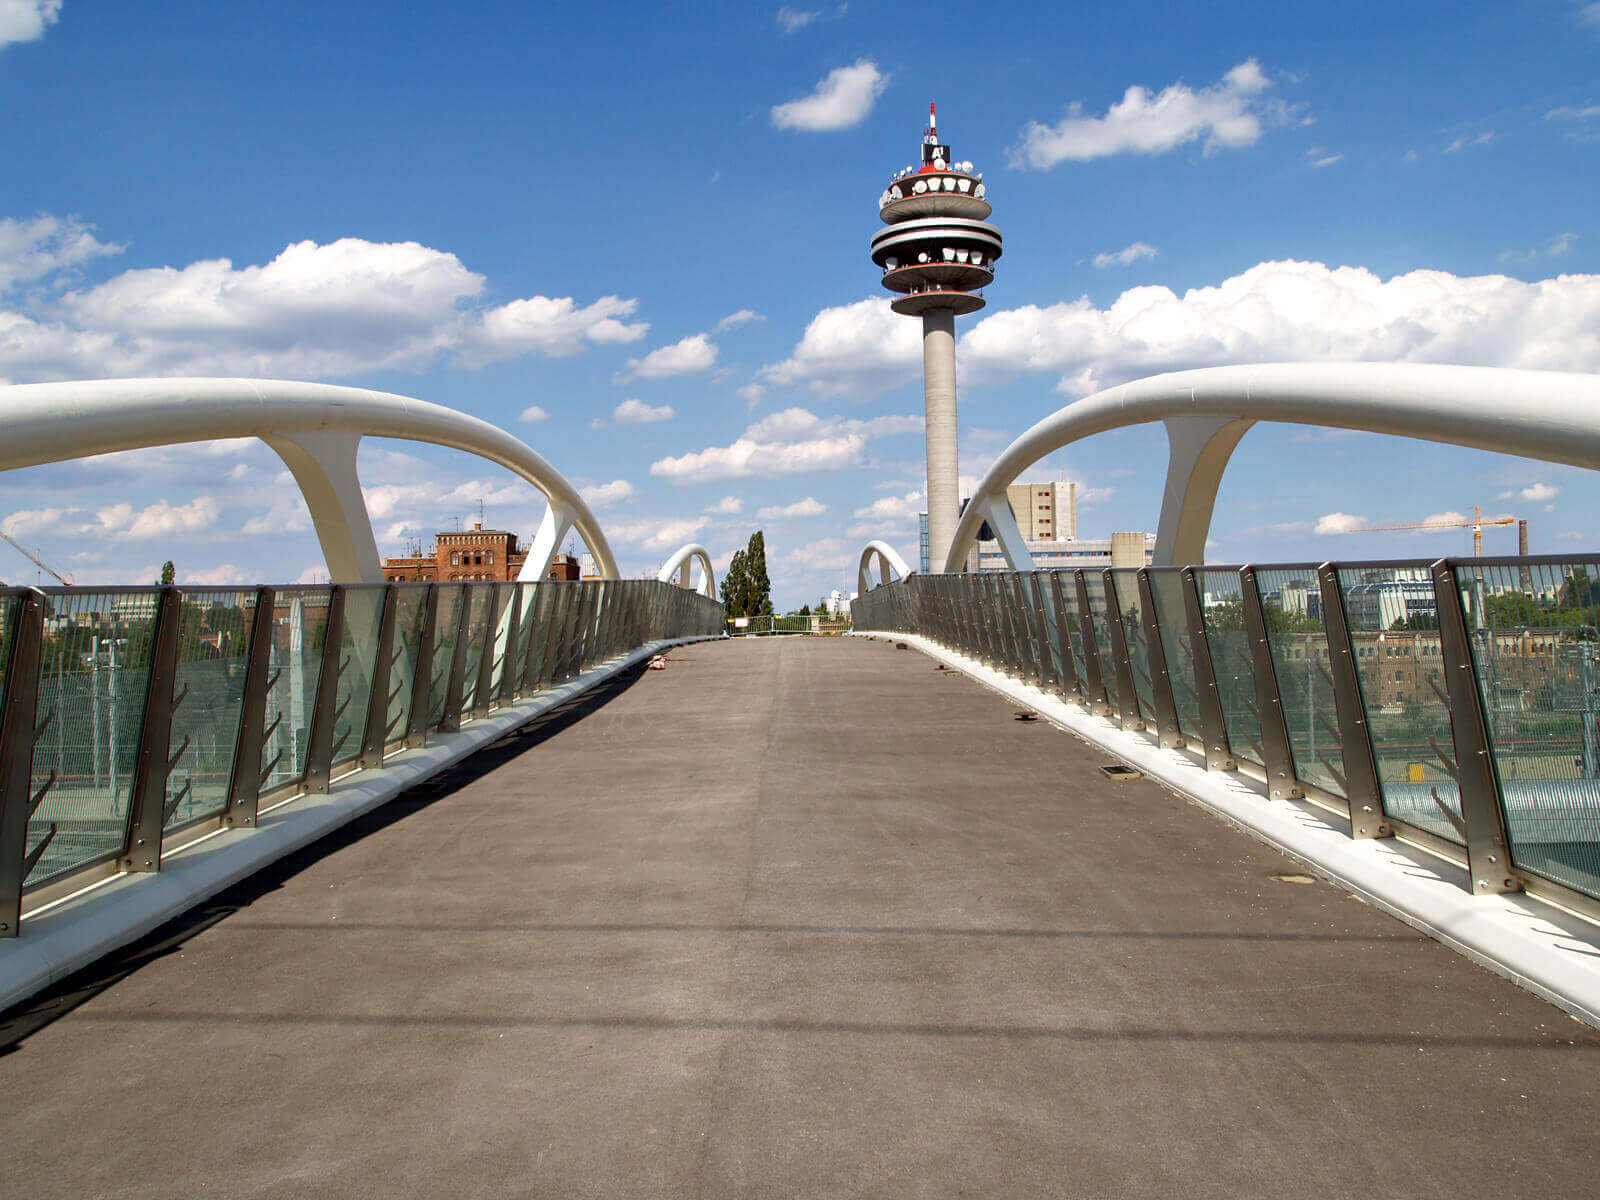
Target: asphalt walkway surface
pixel 801 917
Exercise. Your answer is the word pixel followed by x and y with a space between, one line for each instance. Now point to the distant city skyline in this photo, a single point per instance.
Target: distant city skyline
pixel 637 243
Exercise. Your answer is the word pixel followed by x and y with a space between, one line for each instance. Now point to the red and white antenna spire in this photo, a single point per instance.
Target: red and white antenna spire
pixel 933 120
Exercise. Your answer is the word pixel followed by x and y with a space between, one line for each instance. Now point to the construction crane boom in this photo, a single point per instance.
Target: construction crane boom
pixel 35 560
pixel 1476 525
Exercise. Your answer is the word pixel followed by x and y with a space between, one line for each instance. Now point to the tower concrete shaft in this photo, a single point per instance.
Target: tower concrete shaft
pixel 939 400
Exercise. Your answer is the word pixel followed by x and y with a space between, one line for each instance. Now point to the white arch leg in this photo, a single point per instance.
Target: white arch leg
pixel 683 573
pixel 1200 447
pixel 1003 523
pixel 324 465
pixel 555 525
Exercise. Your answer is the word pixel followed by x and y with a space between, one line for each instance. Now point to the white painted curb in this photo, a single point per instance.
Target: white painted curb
pixel 1548 950
pixel 73 932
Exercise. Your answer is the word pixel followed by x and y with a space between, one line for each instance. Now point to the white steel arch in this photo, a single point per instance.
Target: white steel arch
pixel 315 428
pixel 681 560
pixel 1546 415
pixel 888 561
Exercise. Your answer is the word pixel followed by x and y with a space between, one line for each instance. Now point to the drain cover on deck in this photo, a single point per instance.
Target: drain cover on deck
pixel 1119 772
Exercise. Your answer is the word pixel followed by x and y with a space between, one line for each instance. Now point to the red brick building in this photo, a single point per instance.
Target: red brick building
pixel 472 554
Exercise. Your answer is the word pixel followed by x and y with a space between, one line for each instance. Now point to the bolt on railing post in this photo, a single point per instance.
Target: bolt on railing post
pixel 1219 752
pixel 1355 741
pixel 18 733
pixel 375 736
pixel 325 709
pixel 244 776
pixel 455 688
pixel 1095 688
pixel 1482 805
pixel 422 679
pixel 1277 756
pixel 1127 696
pixel 1071 680
pixel 147 792
pixel 1166 708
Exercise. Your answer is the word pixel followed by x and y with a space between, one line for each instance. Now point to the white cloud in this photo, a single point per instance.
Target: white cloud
pixel 654 533
pixel 637 412
pixel 786 443
pixel 809 507
pixel 1338 522
pixel 689 356
pixel 1574 112
pixel 1589 15
pixel 311 312
pixel 851 349
pixel 159 519
pixel 26 20
pixel 45 245
pixel 29 522
pixel 842 99
pixel 889 511
pixel 1297 311
pixel 790 20
pixel 1126 256
pixel 221 575
pixel 733 320
pixel 726 507
pixel 606 494
pixel 751 394
pixel 1317 158
pixel 1561 244
pixel 1467 139
pixel 825 554
pixel 533 414
pixel 1533 494
pixel 1228 114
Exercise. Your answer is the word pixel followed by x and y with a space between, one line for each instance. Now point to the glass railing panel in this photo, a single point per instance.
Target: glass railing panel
pixel 213 653
pixel 1095 584
pixel 481 599
pixel 499 626
pixel 1074 621
pixel 1222 602
pixel 552 631
pixel 1045 601
pixel 299 621
pixel 94 671
pixel 1394 637
pixel 1291 603
pixel 1535 637
pixel 1126 582
pixel 1172 618
pixel 527 614
pixel 410 614
pixel 446 630
pixel 358 654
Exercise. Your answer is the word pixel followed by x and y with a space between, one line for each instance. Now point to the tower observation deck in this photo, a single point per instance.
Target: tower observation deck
pixel 937 251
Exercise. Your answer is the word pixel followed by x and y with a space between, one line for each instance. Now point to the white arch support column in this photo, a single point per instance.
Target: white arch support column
pixel 323 463
pixel 1198 451
pixel 1002 523
pixel 888 561
pixel 556 523
pixel 679 564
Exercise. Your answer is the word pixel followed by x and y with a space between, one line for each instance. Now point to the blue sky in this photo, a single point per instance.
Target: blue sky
pixel 650 229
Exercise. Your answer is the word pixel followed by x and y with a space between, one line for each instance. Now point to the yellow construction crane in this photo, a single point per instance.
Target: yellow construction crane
pixel 1476 525
pixel 35 560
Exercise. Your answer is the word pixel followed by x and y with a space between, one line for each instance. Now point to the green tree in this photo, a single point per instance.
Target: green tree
pixel 746 591
pixel 735 581
pixel 805 610
pixel 168 574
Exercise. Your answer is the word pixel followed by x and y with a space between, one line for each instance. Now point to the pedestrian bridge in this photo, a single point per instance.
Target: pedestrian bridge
pixel 439 889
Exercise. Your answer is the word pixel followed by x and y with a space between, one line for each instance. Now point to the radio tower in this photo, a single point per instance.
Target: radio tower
pixel 936 252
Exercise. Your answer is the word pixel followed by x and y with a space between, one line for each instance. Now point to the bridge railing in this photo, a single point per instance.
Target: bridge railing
pixel 1456 703
pixel 135 720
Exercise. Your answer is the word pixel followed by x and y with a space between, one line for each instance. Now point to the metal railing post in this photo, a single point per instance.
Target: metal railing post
pixel 326 709
pixel 1283 782
pixel 245 775
pixel 1071 681
pixel 1095 687
pixel 1355 742
pixel 376 734
pixel 18 733
pixel 1219 752
pixel 1482 806
pixel 1127 696
pixel 1166 708
pixel 147 792
pixel 422 679
pixel 510 667
pixel 484 667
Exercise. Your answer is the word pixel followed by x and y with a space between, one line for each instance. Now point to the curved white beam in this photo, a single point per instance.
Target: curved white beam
pixel 888 560
pixel 681 559
pixel 1546 415
pixel 314 427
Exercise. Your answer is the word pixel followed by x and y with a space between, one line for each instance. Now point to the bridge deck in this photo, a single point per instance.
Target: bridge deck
pixel 795 917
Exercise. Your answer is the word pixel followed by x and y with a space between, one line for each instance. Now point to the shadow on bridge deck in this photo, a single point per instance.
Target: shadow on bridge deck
pixel 793 917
